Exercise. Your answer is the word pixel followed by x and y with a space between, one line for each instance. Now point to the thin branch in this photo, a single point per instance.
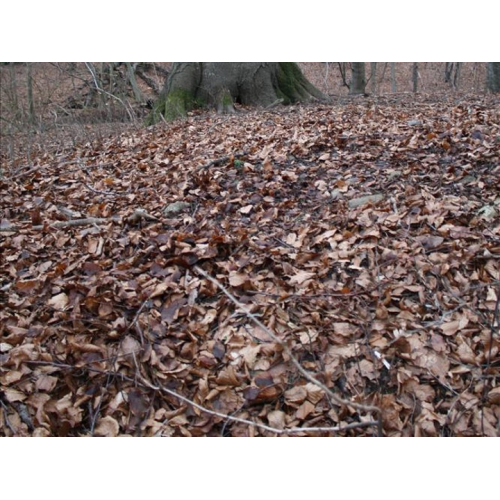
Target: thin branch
pixel 65 223
pixel 107 193
pixel 139 380
pixel 99 89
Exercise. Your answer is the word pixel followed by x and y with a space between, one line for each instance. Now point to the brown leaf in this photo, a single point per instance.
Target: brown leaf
pixel 344 329
pixel 452 327
pixel 59 301
pixel 276 419
pixel 305 410
pixel 300 277
pixel 228 376
pixel 107 427
pixel 238 279
pixel 296 395
pixel 494 396
pixel 27 286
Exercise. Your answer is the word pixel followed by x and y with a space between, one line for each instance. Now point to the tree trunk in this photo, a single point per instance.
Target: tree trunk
pixel 448 70
pixel 31 102
pixel 493 77
pixel 358 79
pixel 456 76
pixel 415 77
pixel 221 85
pixel 449 76
pixel 133 81
pixel 393 78
pixel 373 77
pixel 343 73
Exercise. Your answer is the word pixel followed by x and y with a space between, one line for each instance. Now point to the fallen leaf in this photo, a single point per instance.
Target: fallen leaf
pixel 300 277
pixel 59 301
pixel 107 427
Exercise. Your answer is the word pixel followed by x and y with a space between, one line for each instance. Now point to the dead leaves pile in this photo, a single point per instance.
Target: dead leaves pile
pixel 365 236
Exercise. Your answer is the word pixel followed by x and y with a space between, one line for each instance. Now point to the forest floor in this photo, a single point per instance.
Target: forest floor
pixel 325 269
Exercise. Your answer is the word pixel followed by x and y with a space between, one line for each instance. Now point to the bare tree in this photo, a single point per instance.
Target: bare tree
pixel 452 73
pixel 415 77
pixel 393 77
pixel 31 102
pixel 358 78
pixel 343 73
pixel 373 77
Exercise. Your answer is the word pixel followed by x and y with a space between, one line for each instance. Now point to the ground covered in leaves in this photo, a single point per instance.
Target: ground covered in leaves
pixel 364 235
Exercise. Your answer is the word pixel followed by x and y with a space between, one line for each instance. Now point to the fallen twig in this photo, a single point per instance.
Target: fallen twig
pixel 107 193
pixel 139 380
pixel 224 159
pixel 59 224
pixel 79 222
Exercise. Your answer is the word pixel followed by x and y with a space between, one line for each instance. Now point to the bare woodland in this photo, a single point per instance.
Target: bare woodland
pixel 306 250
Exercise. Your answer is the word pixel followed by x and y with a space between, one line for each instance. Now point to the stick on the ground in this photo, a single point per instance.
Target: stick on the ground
pixel 142 382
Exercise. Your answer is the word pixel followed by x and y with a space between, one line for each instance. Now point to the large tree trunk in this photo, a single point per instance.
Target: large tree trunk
pixel 358 78
pixel 220 85
pixel 493 77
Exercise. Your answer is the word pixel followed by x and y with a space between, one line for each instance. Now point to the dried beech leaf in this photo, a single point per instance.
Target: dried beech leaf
pixel 59 301
pixel 228 376
pixel 276 419
pixel 107 427
pixel 296 395
pixel 305 409
pixel 300 277
pixel 238 279
pixel 314 393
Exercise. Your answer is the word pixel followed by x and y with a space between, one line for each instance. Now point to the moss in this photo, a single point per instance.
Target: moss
pixel 289 83
pixel 224 102
pixel 293 86
pixel 176 105
pixel 227 100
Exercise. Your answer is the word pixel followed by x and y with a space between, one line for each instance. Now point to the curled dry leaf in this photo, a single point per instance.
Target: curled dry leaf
pixel 228 376
pixel 494 396
pixel 314 393
pixel 107 427
pixel 277 419
pixel 300 277
pixel 296 395
pixel 305 410
pixel 59 301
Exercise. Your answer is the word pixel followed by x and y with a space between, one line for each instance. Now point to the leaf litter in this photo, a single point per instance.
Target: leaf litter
pixel 365 237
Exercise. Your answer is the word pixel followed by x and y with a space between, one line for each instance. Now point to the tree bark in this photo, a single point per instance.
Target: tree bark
pixel 133 82
pixel 393 78
pixel 221 85
pixel 358 78
pixel 493 77
pixel 415 77
pixel 373 77
pixel 452 73
pixel 31 102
